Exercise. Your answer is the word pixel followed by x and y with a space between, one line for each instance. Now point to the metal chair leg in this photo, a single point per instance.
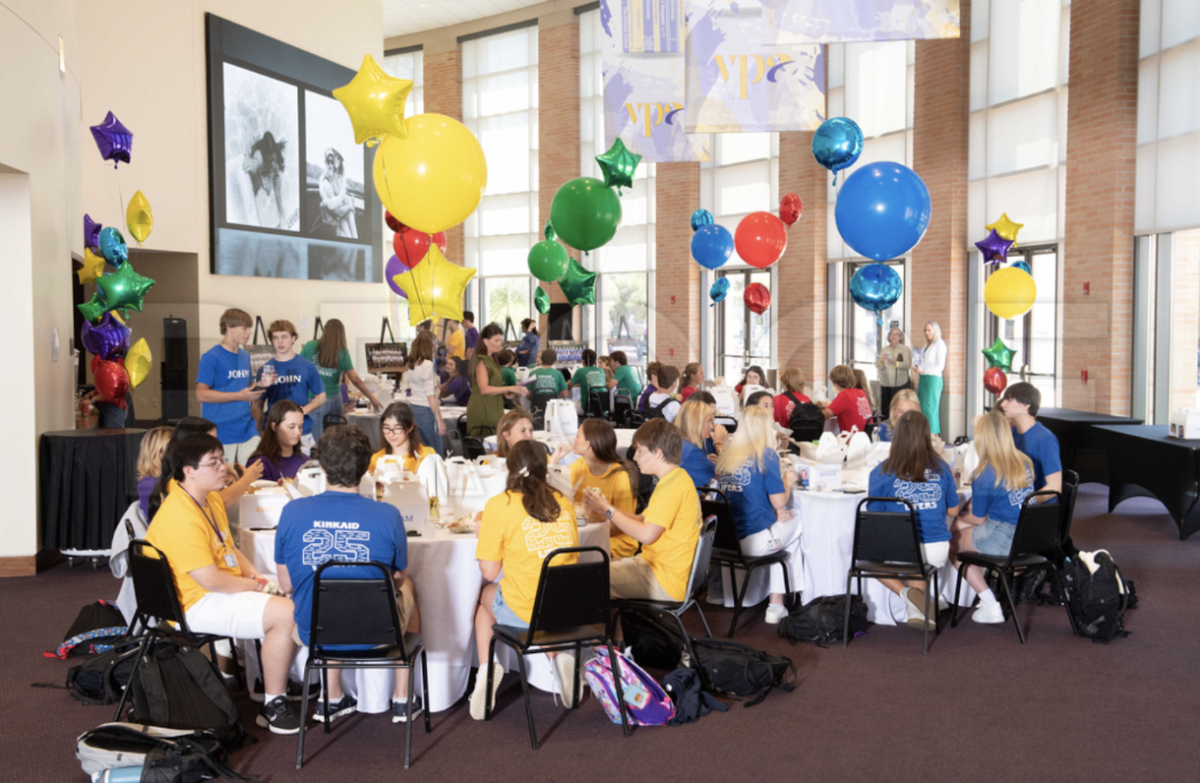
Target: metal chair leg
pixel 741 596
pixel 612 662
pixel 425 689
pixel 957 593
pixel 927 586
pixel 846 621
pixel 303 719
pixel 1062 590
pixel 703 619
pixel 578 655
pixel 528 700
pixel 408 721
pixel 324 699
pixel 487 697
pixel 149 640
pixel 1012 605
pixel 937 596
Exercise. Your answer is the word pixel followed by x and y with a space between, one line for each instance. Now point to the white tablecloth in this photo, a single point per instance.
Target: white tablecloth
pixel 446 576
pixel 624 441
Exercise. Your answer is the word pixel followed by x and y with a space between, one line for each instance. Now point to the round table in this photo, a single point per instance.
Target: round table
pixel 624 441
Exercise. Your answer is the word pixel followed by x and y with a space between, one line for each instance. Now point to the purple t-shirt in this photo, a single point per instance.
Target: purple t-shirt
pixel 459 389
pixel 471 337
pixel 145 487
pixel 287 467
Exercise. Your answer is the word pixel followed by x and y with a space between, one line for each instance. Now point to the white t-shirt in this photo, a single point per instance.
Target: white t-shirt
pixel 423 383
pixel 669 410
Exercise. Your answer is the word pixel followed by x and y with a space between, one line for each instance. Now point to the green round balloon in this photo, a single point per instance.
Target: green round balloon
pixel 541 300
pixel 548 261
pixel 585 213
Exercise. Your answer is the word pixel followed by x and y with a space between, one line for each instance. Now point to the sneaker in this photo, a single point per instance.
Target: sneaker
pixel 479 695
pixel 564 672
pixel 989 614
pixel 919 599
pixel 775 613
pixel 295 691
pixel 343 706
pixel 400 709
pixel 278 717
pixel 914 603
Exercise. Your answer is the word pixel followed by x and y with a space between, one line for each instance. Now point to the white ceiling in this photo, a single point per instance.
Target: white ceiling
pixel 402 17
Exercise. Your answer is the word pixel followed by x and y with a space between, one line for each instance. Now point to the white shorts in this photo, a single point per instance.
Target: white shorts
pixel 936 554
pixel 236 615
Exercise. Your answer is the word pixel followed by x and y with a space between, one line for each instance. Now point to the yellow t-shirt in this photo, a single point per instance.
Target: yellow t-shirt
pixel 613 485
pixel 409 463
pixel 675 507
pixel 509 535
pixel 185 535
pixel 457 344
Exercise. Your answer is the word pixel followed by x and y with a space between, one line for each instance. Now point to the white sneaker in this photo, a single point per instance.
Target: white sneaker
pixel 989 614
pixel 775 613
pixel 478 703
pixel 916 612
pixel 564 670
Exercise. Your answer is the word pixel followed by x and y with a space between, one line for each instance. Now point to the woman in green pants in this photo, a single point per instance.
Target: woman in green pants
pixel 929 389
pixel 486 405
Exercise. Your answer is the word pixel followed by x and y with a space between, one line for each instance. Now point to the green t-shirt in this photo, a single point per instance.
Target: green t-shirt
pixel 330 376
pixel 627 382
pixel 588 379
pixel 509 375
pixel 548 381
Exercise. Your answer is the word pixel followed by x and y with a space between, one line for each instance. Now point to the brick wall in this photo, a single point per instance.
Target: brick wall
pixel 1098 247
pixel 800 298
pixel 677 297
pixel 444 95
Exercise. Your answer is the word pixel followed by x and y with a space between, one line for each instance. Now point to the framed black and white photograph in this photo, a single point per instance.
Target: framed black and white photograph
pixel 333 189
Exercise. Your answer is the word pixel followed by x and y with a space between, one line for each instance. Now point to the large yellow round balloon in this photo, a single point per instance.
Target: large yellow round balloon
pixel 1009 293
pixel 434 177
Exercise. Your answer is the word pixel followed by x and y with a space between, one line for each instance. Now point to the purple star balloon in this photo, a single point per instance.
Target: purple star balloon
pixel 107 339
pixel 91 233
pixel 994 248
pixel 114 140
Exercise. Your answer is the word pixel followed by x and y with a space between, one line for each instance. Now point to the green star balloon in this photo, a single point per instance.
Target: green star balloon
pixel 549 231
pixel 999 355
pixel 579 285
pixel 618 165
pixel 124 289
pixel 93 309
pixel 541 300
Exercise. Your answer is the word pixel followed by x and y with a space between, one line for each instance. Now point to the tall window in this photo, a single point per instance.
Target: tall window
pixel 744 338
pixel 865 334
pixel 500 103
pixel 1034 336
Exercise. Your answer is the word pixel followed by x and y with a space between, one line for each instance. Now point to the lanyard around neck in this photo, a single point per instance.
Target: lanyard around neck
pixel 208 517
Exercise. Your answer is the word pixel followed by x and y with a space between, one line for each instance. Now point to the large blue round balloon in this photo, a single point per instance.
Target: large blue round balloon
pixel 876 287
pixel 701 217
pixel 719 290
pixel 837 144
pixel 712 246
pixel 882 210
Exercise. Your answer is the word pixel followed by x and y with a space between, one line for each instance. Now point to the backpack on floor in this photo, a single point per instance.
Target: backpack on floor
pixel 1097 599
pixel 177 688
pixel 687 694
pixel 821 620
pixel 805 416
pixel 150 753
pixel 653 643
pixel 102 678
pixel 733 669
pixel 646 703
pixel 95 630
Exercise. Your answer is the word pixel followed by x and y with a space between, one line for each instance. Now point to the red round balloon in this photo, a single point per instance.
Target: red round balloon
pixel 411 246
pixel 994 380
pixel 392 223
pixel 760 239
pixel 790 208
pixel 112 382
pixel 757 298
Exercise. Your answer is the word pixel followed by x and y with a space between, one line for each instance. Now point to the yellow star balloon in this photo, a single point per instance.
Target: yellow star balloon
pixel 1005 227
pixel 375 103
pixel 139 218
pixel 93 267
pixel 435 288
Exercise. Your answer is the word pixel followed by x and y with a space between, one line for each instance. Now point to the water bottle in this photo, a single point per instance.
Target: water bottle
pixel 119 775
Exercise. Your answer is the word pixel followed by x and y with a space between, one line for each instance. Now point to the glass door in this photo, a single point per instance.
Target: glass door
pixel 1034 336
pixel 743 338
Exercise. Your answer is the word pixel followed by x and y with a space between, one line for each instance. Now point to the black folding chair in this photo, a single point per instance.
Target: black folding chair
pixel 623 410
pixel 333 419
pixel 697 581
pixel 1039 529
pixel 887 545
pixel 1070 491
pixel 462 424
pixel 571 608
pixel 359 612
pixel 157 599
pixel 727 549
pixel 728 422
pixel 598 404
pixel 454 444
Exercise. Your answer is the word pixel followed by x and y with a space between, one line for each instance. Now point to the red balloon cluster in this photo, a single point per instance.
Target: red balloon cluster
pixel 994 380
pixel 410 245
pixel 757 298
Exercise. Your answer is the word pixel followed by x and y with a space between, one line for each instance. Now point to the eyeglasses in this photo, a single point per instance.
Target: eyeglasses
pixel 212 465
pixel 392 430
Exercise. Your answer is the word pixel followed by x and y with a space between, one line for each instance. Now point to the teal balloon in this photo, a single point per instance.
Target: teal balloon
pixel 1022 266
pixel 876 287
pixel 548 261
pixel 837 144
pixel 112 246
pixel 585 212
pixel 701 217
pixel 719 290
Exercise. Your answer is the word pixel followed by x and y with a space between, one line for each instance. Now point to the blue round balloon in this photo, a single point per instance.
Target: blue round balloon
pixel 701 217
pixel 883 210
pixel 112 246
pixel 719 290
pixel 837 144
pixel 876 287
pixel 1022 266
pixel 712 246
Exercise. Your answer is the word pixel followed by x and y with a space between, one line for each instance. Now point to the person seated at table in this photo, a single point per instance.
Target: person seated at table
pixel 508 373
pixel 278 450
pixel 516 426
pixel 668 529
pixel 863 384
pixel 793 394
pixel 1020 404
pixel 759 489
pixel 149 465
pixel 754 376
pixel 600 469
pixel 588 378
pixel 915 472
pixel 903 401
pixel 313 523
pixel 626 381
pixel 456 385
pixel 401 438
pixel 517 532
pixel 999 486
pixel 719 435
pixel 548 382
pixel 761 399
pixel 698 455
pixel 606 363
pixel 220 590
pixel 851 406
pixel 651 385
pixel 235 485
pixel 693 376
pixel 662 402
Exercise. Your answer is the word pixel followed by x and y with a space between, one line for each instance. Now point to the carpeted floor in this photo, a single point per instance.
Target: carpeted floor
pixel 979 706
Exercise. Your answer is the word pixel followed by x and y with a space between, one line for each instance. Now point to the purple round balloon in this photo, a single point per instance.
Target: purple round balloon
pixel 107 339
pixel 91 232
pixel 394 267
pixel 994 248
pixel 114 140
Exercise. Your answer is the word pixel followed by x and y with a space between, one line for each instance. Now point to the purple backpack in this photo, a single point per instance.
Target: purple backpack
pixel 646 703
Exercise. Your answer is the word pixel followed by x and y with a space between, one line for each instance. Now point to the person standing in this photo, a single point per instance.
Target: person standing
pixel 332 360
pixel 486 405
pixel 456 343
pixel 424 400
pixel 531 343
pixel 929 388
pixel 225 389
pixel 470 333
pixel 894 362
pixel 295 378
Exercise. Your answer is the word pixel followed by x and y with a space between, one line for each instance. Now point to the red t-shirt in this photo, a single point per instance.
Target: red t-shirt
pixel 784 407
pixel 687 391
pixel 852 408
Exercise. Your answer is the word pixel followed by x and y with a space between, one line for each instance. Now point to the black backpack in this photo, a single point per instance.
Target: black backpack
pixel 806 417
pixel 821 620
pixel 654 643
pixel 96 629
pixel 733 669
pixel 102 678
pixel 177 688
pixel 657 411
pixel 1097 600
pixel 691 702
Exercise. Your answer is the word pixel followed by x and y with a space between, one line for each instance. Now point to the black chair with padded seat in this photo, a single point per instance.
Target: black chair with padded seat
pixel 333 419
pixel 462 424
pixel 360 612
pixel 454 444
pixel 1070 492
pixel 623 411
pixel 598 406
pixel 571 608
pixel 887 545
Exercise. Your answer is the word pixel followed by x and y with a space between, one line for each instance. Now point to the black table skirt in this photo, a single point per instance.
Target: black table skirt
pixel 1144 462
pixel 87 479
pixel 1079 444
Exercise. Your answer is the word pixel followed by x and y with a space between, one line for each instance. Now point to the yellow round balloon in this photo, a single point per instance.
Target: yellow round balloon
pixel 433 178
pixel 139 218
pixel 1009 293
pixel 137 363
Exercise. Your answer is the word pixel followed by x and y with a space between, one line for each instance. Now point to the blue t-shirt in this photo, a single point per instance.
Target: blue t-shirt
pixel 997 502
pixel 748 491
pixel 697 464
pixel 297 380
pixel 931 498
pixel 224 371
pixel 336 526
pixel 1040 445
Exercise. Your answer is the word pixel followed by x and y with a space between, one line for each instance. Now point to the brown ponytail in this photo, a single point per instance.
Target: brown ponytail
pixel 527 475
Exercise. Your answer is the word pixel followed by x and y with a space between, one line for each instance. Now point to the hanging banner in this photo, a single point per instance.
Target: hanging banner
pixel 735 84
pixel 790 22
pixel 651 26
pixel 643 98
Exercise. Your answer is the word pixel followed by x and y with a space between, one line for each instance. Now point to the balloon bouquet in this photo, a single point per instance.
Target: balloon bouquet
pixel 116 366
pixel 1009 293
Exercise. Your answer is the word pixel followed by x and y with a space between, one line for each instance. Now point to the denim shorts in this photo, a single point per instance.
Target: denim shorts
pixel 504 615
pixel 993 538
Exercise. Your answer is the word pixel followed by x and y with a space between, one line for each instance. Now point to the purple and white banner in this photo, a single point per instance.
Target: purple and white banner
pixel 836 21
pixel 651 26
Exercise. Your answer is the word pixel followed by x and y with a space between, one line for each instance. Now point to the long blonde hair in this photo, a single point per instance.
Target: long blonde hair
pixel 995 447
pixel 154 445
pixel 690 421
pixel 755 436
pixel 904 395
